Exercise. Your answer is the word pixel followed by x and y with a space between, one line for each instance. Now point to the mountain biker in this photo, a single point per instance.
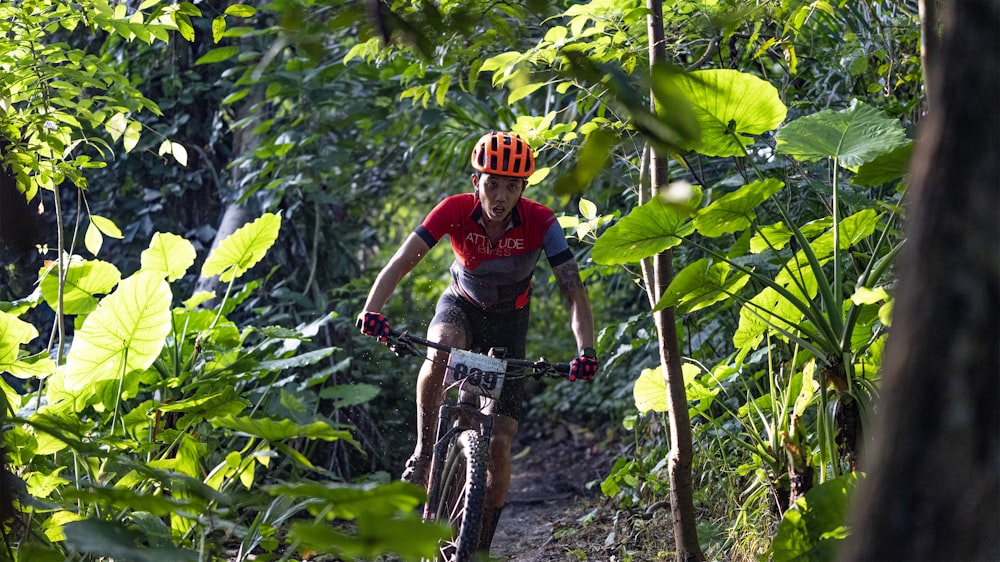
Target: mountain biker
pixel 497 236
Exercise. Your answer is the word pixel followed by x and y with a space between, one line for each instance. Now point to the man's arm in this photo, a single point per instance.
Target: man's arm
pixel 402 262
pixel 581 318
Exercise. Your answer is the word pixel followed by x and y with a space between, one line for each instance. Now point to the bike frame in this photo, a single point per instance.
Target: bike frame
pixel 457 419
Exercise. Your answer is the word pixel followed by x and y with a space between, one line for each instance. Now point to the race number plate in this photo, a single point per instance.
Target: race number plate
pixel 481 374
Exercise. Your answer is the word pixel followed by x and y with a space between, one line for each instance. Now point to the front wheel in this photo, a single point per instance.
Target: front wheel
pixel 462 494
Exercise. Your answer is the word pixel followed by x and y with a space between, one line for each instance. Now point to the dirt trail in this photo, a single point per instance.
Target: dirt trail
pixel 548 495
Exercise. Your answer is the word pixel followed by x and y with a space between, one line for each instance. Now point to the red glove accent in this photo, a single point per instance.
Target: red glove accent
pixel 375 325
pixel 582 368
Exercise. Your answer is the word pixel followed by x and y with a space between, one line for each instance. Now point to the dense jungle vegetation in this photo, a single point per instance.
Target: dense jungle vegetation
pixel 197 196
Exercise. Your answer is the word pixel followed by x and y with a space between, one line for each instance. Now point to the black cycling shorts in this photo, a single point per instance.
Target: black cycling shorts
pixel 484 329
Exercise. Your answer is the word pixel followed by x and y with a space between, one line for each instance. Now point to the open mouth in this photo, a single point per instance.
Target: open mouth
pixel 499 211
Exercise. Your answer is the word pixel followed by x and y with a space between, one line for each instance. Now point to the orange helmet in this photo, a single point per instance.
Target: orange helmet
pixel 504 154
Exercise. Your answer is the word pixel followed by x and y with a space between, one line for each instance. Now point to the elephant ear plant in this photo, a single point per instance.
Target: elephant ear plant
pixel 813 297
pixel 171 432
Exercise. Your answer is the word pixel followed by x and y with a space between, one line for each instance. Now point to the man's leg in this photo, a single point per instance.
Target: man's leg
pixel 498 479
pixel 429 395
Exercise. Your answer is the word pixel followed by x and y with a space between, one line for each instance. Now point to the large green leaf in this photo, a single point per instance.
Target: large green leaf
pixel 650 389
pixel 734 211
pixel 13 333
pixel 731 107
pixel 107 539
pixel 224 402
pixel 776 236
pixel 886 167
pixel 344 395
pixel 853 136
pixel 124 334
pixel 170 254
pixel 280 430
pixel 405 535
pixel 815 526
pixel 770 309
pixel 700 285
pixel 347 501
pixel 85 280
pixel 242 249
pixel 297 361
pixel 648 230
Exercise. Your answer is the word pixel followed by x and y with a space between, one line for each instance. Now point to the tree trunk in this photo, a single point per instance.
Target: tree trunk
pixel 928 38
pixel 657 279
pixel 236 214
pixel 933 485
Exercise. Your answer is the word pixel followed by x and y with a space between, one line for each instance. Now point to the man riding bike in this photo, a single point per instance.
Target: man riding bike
pixel 497 237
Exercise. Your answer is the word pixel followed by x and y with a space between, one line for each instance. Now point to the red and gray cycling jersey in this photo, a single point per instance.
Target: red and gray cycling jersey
pixel 495 276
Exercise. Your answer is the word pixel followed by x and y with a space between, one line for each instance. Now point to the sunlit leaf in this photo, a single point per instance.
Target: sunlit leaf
pixel 524 91
pixel 37 366
pixel 865 295
pixel 242 249
pixel 124 334
pixel 86 280
pixel 218 31
pixel 106 226
pixel 700 285
pixel 132 133
pixel 93 240
pixel 735 211
pixel 116 125
pixel 169 254
pixel 174 149
pixel 183 23
pixel 240 10
pixel 650 391
pixel 731 108
pixel 14 332
pixel 53 527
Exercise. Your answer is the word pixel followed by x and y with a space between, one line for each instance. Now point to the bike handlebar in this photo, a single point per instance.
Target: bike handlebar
pixel 401 339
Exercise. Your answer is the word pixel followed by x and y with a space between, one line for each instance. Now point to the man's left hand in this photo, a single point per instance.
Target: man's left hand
pixel 583 367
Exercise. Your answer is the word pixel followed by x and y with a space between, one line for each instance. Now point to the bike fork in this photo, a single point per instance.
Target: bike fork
pixel 452 420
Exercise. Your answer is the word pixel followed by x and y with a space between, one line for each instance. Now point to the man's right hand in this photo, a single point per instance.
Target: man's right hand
pixel 375 325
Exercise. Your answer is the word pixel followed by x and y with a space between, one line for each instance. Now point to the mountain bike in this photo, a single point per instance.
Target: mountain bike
pixel 456 488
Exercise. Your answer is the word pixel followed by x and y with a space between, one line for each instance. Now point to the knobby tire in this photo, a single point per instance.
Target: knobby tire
pixel 463 494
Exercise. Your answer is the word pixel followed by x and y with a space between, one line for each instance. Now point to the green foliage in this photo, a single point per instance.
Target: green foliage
pixel 732 108
pixel 45 117
pixel 814 528
pixel 784 243
pixel 165 421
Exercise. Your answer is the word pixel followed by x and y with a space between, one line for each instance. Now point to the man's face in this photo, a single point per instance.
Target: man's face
pixel 498 195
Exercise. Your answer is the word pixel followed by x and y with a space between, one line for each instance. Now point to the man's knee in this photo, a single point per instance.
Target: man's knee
pixel 451 335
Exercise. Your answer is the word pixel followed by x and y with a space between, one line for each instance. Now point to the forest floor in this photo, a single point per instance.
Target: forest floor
pixel 555 509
